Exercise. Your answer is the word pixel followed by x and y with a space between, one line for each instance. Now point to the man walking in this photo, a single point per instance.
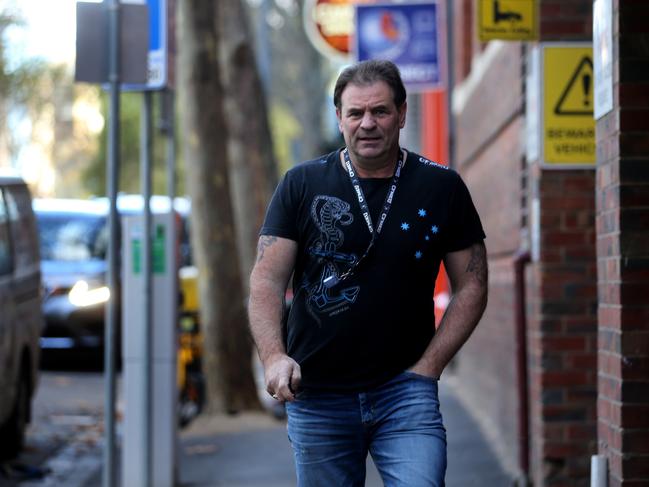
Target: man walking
pixel 363 231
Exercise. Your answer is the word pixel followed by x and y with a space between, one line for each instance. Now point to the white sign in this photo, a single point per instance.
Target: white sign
pixel 532 106
pixel 603 57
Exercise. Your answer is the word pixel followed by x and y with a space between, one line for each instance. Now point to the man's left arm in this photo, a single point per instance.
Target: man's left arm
pixel 467 270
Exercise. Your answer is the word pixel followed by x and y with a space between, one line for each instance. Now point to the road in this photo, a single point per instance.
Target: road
pixel 65 432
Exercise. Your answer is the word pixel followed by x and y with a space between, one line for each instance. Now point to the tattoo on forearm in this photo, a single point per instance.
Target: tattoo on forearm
pixel 478 263
pixel 264 242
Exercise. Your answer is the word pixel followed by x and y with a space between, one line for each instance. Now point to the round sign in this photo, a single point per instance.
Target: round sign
pixel 329 24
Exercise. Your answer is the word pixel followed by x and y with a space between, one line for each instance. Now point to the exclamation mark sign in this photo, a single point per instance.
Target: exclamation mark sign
pixel 585 83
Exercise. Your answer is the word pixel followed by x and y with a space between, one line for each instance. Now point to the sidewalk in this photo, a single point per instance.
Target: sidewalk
pixel 252 450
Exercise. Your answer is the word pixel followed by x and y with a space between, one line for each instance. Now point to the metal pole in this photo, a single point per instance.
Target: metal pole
pixel 146 149
pixel 169 102
pixel 171 143
pixel 450 66
pixel 112 177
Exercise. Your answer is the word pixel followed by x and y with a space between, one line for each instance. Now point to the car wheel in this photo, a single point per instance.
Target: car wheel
pixel 13 431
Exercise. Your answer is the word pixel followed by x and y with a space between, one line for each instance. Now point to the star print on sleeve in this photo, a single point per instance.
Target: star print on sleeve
pixel 434 229
pixel 405 226
pixel 421 212
pixel 418 254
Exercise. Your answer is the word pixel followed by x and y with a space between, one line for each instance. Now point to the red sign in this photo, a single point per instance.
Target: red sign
pixel 329 25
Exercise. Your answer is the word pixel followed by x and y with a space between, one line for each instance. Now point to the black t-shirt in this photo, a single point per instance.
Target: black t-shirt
pixel 378 322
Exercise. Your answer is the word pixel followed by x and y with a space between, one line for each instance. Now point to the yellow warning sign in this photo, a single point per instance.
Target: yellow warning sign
pixel 513 20
pixel 568 123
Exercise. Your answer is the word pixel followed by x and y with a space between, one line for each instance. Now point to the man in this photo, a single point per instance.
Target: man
pixel 363 231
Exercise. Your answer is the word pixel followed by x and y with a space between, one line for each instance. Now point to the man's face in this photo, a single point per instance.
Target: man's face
pixel 370 121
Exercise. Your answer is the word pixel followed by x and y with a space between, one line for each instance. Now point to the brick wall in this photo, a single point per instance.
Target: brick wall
pixel 561 284
pixel 582 259
pixel 562 20
pixel 623 255
pixel 463 31
pixel 487 364
pixel 562 318
pixel 488 155
pixel 563 330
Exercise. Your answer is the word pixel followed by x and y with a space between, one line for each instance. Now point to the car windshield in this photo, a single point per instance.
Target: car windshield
pixel 72 237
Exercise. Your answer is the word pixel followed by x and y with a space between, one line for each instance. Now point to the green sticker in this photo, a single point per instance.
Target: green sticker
pixel 158 250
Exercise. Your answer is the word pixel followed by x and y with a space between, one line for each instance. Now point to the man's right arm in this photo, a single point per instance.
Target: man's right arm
pixel 268 281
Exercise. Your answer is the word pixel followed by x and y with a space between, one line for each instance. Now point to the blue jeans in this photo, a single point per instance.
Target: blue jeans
pixel 398 423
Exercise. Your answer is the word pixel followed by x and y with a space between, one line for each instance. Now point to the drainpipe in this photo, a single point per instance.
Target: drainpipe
pixel 520 260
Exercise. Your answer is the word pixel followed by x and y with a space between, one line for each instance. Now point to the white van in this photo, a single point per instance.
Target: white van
pixel 21 319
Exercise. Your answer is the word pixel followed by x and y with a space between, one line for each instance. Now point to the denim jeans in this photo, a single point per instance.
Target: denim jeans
pixel 398 423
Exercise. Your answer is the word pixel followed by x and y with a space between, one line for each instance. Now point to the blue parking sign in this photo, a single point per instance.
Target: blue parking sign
pixel 407 34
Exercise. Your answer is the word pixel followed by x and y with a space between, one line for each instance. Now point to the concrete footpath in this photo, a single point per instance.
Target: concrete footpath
pixel 253 451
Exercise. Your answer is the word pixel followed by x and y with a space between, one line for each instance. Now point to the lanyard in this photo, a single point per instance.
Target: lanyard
pixel 361 197
pixel 332 280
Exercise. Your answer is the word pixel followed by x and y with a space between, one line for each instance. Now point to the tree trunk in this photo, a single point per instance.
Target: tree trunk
pixel 252 165
pixel 227 344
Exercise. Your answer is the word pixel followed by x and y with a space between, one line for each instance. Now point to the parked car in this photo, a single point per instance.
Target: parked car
pixel 73 245
pixel 21 319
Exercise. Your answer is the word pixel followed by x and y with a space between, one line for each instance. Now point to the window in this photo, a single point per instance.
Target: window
pixel 23 228
pixel 5 244
pixel 72 238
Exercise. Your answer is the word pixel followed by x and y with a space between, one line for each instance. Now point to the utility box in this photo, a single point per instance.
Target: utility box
pixel 164 308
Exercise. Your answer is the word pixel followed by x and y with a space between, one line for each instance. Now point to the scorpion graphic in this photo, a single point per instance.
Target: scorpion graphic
pixel 328 213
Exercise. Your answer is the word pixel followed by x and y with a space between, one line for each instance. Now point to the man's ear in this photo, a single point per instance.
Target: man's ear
pixel 340 120
pixel 402 114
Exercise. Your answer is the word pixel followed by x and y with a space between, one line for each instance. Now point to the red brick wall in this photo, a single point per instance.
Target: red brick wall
pixel 463 29
pixel 563 339
pixel 563 20
pixel 563 330
pixel 487 363
pixel 562 324
pixel 623 255
pixel 561 284
pixel 489 157
pixel 491 106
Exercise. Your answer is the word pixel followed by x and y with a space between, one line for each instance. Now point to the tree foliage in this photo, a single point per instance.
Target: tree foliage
pixel 20 86
pixel 129 182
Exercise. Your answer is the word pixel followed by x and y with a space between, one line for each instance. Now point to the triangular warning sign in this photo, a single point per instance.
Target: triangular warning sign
pixel 577 96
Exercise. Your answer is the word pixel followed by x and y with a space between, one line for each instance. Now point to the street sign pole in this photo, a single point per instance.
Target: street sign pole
pixel 168 128
pixel 112 173
pixel 147 339
pixel 149 369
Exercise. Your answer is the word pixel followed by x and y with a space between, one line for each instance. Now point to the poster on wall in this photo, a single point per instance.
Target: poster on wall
pixel 409 35
pixel 568 126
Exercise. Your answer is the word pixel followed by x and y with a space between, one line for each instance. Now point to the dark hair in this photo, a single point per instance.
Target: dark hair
pixel 368 72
